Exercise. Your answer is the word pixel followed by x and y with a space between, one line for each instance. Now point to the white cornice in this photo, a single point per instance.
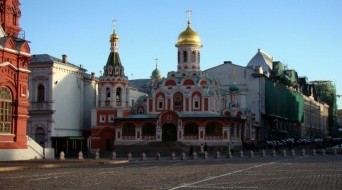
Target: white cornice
pixel 14 51
pixel 14 67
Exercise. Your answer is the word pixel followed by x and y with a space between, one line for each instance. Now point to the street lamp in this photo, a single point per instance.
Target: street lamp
pixel 339 129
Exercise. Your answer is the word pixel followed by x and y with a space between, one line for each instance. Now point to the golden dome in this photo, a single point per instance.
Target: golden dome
pixel 189 37
pixel 114 36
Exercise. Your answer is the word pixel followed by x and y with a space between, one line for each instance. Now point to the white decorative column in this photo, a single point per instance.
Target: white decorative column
pixel 201 133
pixel 180 132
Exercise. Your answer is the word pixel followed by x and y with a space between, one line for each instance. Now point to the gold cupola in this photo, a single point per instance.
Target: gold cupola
pixel 114 37
pixel 188 37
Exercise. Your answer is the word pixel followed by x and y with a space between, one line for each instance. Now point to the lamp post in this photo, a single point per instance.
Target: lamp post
pixel 339 129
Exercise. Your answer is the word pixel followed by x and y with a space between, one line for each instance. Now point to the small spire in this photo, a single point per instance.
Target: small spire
pixel 189 11
pixel 156 59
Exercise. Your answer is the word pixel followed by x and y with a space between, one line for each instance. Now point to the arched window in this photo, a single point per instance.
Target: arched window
pixel 118 94
pixel 141 110
pixel 5 110
pixel 41 93
pixel 196 103
pixel 128 130
pixel 178 101
pixel 117 70
pixel 213 129
pixel 185 56
pixel 193 56
pixel 160 101
pixel 15 16
pixel 178 56
pixel 107 92
pixel 191 129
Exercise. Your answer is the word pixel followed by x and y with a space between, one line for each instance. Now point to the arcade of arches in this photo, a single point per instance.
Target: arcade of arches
pixel 189 131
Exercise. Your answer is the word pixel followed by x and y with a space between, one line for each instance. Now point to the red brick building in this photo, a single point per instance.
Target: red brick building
pixel 187 106
pixel 14 73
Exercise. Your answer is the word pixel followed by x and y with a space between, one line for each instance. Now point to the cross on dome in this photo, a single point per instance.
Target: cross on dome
pixel 156 59
pixel 114 23
pixel 188 12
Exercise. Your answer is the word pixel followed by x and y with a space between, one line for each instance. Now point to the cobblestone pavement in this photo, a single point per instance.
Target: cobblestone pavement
pixel 280 172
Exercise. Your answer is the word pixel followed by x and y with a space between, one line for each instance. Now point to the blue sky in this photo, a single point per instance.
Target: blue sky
pixel 304 34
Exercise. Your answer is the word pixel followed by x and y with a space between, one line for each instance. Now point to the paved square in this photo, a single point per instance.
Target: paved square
pixel 281 172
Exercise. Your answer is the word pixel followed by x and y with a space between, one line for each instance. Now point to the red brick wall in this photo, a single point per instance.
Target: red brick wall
pixel 15 68
pixel 206 105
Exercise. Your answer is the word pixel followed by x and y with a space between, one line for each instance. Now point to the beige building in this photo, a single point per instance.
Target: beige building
pixel 315 123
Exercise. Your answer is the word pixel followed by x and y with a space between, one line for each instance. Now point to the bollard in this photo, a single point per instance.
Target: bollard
pixel 97 154
pixel 173 156
pixel 194 156
pixel 274 153
pixel 293 152
pixel 303 152
pixel 313 152
pixel 80 155
pixel 129 156
pixel 158 156
pixel 205 155
pixel 113 155
pixel 263 153
pixel 284 152
pixel 251 154
pixel 323 152
pixel 241 154
pixel 143 156
pixel 218 155
pixel 62 156
pixel 183 156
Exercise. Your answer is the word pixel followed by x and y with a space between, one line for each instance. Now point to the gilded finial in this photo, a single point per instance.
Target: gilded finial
pixel 189 11
pixel 113 23
pixel 156 59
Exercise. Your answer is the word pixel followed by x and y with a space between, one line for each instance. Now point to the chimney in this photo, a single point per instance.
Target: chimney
pixel 64 58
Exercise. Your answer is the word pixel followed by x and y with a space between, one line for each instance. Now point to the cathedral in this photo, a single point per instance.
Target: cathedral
pixel 186 106
pixel 49 105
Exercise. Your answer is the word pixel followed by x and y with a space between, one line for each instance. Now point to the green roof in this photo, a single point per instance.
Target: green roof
pixel 200 115
pixel 142 116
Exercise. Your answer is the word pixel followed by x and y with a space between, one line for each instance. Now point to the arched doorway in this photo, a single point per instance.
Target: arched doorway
pixel 107 140
pixel 39 135
pixel 169 132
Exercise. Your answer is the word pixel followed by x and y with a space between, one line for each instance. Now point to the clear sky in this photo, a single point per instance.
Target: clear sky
pixel 304 34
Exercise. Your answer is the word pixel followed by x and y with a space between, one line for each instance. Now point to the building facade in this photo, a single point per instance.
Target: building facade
pixel 61 98
pixel 325 91
pixel 185 106
pixel 14 73
pixel 315 123
pixel 224 104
